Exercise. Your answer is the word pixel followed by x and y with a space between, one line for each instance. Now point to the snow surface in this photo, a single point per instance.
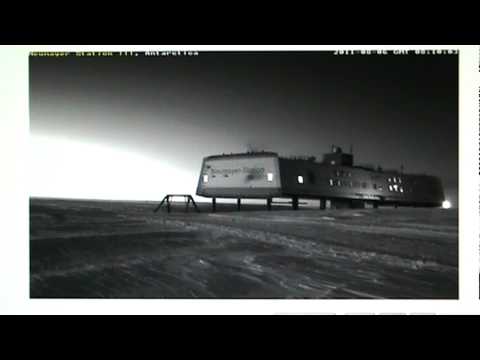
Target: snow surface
pixel 123 250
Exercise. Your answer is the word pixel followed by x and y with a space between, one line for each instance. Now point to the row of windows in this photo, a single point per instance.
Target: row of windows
pixel 337 182
pixel 395 188
pixel 395 180
pixel 340 173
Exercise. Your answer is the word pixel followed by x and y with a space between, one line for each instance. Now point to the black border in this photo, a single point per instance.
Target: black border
pixel 248 26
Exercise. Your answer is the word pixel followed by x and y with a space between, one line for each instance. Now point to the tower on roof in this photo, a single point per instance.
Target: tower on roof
pixel 338 157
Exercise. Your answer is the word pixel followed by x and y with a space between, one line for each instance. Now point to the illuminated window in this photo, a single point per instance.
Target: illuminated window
pixel 389 179
pixel 205 178
pixel 395 187
pixel 332 162
pixel 394 179
pixel 270 177
pixel 390 187
pixel 399 180
pixel 300 179
pixel 401 189
pixel 331 182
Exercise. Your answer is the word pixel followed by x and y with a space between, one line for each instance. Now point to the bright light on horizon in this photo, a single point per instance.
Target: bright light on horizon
pixel 64 168
pixel 446 204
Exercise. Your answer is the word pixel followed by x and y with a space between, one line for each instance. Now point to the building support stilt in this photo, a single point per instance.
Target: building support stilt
pixel 295 202
pixel 269 203
pixel 323 203
pixel 214 204
pixel 239 204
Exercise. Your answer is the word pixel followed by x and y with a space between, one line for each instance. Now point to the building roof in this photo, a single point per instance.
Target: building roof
pixel 241 155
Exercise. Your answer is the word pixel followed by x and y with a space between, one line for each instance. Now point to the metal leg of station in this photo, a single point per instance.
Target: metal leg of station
pixel 168 204
pixel 239 204
pixel 323 204
pixel 194 205
pixel 214 204
pixel 375 205
pixel 295 203
pixel 269 203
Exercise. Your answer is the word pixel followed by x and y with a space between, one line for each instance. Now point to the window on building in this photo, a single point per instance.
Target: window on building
pixel 394 179
pixel 389 179
pixel 270 176
pixel 401 189
pixel 364 185
pixel 330 182
pixel 205 178
pixel 375 186
pixel 300 179
pixel 390 187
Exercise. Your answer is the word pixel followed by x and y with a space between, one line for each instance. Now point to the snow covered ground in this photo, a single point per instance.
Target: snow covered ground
pixel 81 248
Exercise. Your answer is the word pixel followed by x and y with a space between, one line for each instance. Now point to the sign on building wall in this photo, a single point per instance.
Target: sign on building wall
pixel 259 172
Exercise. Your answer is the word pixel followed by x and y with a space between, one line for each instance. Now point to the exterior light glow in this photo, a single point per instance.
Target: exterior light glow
pixel 446 204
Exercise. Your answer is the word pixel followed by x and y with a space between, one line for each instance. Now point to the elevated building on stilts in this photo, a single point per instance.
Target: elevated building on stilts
pixel 335 181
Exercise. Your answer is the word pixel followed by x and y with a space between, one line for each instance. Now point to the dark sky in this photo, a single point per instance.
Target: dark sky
pixel 393 109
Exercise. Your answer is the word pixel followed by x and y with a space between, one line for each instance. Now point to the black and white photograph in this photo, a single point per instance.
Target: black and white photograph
pixel 244 174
